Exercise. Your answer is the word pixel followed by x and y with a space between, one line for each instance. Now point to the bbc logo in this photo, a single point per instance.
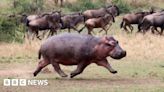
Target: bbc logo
pixel 14 82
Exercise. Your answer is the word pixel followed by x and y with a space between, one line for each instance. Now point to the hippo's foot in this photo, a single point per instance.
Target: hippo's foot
pixel 113 71
pixel 34 74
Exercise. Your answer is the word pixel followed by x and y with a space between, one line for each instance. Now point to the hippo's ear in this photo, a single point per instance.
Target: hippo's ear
pixel 104 39
pixel 111 43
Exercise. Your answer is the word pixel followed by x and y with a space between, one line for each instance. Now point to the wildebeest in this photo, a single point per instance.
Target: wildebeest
pixel 155 20
pixel 95 13
pixel 133 18
pixel 48 21
pixel 80 50
pixel 100 22
pixel 26 19
pixel 70 21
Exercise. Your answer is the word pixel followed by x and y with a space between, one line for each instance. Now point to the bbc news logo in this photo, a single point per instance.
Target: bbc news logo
pixel 24 82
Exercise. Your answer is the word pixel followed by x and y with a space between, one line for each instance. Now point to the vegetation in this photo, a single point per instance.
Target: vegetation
pixel 11 29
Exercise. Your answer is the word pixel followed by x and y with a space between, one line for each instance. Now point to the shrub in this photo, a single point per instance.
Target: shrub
pixel 123 6
pixel 10 29
pixel 27 6
pixel 83 5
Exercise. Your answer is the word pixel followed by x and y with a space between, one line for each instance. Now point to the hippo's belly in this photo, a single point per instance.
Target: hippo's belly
pixel 66 61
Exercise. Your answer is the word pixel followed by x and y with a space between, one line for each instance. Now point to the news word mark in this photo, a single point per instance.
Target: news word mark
pixel 24 82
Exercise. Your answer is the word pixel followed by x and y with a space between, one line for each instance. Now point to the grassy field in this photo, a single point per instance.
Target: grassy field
pixel 141 71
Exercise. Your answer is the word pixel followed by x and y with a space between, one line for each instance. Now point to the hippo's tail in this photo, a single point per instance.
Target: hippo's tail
pixel 39 54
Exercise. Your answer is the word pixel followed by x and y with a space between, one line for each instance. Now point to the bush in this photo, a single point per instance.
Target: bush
pixel 10 30
pixel 27 6
pixel 123 6
pixel 83 5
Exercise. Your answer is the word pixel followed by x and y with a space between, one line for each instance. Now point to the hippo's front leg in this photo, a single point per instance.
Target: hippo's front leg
pixel 106 65
pixel 58 69
pixel 80 67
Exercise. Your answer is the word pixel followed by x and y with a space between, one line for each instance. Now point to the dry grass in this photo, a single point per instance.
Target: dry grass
pixel 141 71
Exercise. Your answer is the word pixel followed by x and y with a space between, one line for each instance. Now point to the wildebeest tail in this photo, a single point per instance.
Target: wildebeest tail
pixel 122 23
pixel 39 54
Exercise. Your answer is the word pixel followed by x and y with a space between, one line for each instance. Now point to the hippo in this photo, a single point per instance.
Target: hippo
pixel 80 50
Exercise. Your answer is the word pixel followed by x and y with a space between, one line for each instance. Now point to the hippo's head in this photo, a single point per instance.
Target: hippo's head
pixel 110 47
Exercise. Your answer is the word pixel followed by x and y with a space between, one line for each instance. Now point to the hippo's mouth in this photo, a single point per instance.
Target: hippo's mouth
pixel 123 54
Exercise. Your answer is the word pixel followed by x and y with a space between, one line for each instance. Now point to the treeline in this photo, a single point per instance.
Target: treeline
pixel 11 28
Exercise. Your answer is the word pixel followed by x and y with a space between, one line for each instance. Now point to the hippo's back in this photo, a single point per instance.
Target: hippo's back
pixel 69 45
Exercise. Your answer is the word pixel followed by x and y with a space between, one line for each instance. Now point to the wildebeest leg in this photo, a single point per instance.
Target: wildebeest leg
pixel 80 67
pixel 107 28
pixel 131 28
pixel 81 29
pixel 41 65
pixel 125 28
pixel 61 3
pixel 109 25
pixel 106 65
pixel 44 33
pixel 75 29
pixel 139 28
pixel 152 30
pixel 58 69
pixel 52 31
pixel 69 30
pixel 37 32
pixel 89 30
pixel 161 30
pixel 106 31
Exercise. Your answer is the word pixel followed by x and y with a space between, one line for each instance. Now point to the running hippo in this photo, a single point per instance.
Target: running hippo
pixel 80 50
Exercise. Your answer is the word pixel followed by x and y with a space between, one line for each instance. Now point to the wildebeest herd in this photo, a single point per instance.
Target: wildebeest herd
pixel 82 50
pixel 95 18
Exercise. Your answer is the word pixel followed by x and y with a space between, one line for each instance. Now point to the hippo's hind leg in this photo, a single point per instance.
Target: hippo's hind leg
pixel 106 65
pixel 58 69
pixel 81 66
pixel 41 65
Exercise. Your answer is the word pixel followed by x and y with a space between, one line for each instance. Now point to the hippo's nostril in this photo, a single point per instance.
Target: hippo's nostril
pixel 124 53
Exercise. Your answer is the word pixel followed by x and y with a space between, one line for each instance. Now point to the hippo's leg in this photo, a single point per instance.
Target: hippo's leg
pixel 106 65
pixel 80 67
pixel 58 69
pixel 41 65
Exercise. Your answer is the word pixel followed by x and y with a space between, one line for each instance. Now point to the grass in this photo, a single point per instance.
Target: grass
pixel 141 71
